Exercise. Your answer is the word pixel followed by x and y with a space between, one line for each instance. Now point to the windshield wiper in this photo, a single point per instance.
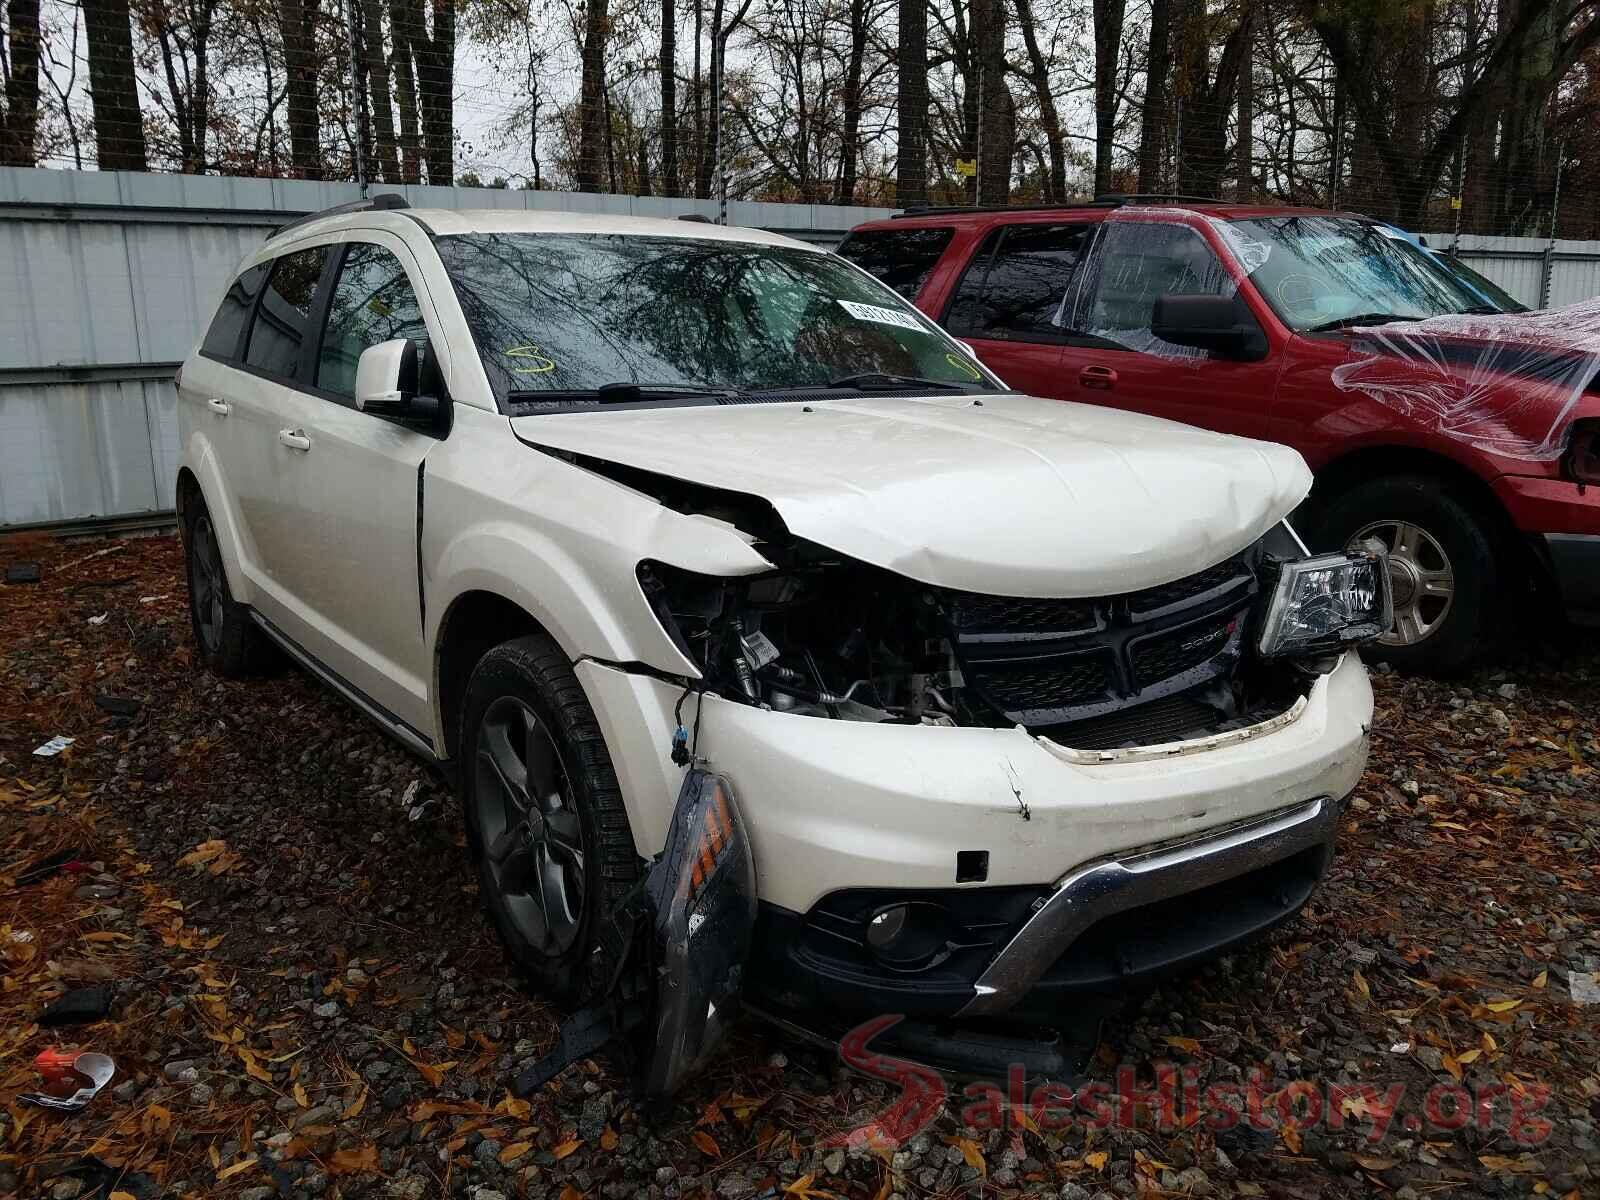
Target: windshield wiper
pixel 621 392
pixel 1350 322
pixel 877 379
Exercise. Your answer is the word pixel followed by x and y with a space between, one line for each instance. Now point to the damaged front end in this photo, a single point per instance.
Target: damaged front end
pixel 679 944
pixel 825 636
pixel 1231 650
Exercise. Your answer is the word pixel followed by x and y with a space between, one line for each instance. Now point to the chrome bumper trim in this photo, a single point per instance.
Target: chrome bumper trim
pixel 1091 893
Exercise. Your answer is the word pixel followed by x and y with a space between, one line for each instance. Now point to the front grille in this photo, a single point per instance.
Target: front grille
pixel 1047 662
pixel 977 614
pixel 1172 719
pixel 1081 679
pixel 1232 572
pixel 1184 649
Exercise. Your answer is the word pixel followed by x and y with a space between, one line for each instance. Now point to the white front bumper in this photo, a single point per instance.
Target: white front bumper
pixel 836 804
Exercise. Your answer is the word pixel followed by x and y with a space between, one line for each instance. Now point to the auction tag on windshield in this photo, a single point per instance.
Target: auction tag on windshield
pixel 880 316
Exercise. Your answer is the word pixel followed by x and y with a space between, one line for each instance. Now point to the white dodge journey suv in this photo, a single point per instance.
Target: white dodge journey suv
pixel 778 650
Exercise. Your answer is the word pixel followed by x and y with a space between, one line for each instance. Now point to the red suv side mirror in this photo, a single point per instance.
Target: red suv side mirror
pixel 1223 325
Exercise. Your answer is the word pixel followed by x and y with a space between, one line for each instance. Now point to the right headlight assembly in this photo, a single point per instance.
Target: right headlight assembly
pixel 1324 604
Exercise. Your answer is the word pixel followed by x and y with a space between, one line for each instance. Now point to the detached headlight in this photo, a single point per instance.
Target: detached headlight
pixel 1323 604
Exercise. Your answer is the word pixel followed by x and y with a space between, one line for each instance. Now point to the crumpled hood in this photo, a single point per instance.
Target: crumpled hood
pixel 1010 495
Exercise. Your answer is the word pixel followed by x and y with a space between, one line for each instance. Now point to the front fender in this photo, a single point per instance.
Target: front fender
pixel 200 458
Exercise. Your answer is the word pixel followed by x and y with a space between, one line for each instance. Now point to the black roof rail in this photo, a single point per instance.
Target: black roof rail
pixel 1121 198
pixel 382 202
pixel 697 218
pixel 956 210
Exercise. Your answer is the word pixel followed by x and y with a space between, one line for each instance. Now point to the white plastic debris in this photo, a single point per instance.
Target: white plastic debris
pixel 1400 1048
pixel 1585 985
pixel 100 620
pixel 53 747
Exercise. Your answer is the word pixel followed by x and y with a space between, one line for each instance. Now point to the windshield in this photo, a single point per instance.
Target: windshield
pixel 582 313
pixel 1490 292
pixel 1321 271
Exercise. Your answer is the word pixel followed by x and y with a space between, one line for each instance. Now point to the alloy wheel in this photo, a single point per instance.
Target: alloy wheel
pixel 206 583
pixel 531 832
pixel 1421 578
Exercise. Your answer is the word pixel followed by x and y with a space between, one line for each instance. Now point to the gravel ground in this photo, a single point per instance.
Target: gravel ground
pixel 309 1003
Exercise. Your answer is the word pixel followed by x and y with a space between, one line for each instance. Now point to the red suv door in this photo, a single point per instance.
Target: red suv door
pixel 1111 355
pixel 1007 304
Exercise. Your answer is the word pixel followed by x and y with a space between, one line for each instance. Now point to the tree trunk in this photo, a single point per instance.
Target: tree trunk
pixel 405 87
pixel 1049 118
pixel 996 112
pixel 1157 100
pixel 297 23
pixel 702 173
pixel 911 155
pixel 852 103
pixel 669 99
pixel 118 125
pixel 1244 149
pixel 437 96
pixel 20 120
pixel 591 97
pixel 386 150
pixel 1108 20
pixel 200 99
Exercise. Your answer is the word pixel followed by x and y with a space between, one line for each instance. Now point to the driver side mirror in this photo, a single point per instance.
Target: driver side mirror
pixel 387 384
pixel 1223 325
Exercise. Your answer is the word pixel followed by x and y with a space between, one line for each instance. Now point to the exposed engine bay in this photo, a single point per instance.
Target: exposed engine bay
pixel 830 637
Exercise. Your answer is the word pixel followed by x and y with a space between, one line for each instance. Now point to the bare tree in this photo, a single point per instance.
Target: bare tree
pixel 1157 99
pixel 911 156
pixel 118 125
pixel 297 25
pixel 669 98
pixel 594 139
pixel 19 55
pixel 1109 16
pixel 1038 75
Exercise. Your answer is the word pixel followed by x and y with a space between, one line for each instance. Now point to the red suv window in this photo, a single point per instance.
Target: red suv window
pixel 1014 285
pixel 901 258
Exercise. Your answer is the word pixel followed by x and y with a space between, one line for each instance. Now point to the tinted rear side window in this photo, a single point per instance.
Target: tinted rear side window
pixel 227 327
pixel 901 258
pixel 1020 292
pixel 283 320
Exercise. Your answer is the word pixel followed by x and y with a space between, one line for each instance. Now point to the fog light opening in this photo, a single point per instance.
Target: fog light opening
pixel 909 937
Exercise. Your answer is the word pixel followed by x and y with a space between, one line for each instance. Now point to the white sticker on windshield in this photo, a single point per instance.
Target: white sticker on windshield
pixel 880 316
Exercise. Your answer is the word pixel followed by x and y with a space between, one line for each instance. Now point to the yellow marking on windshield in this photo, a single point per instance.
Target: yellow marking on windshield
pixel 956 360
pixel 538 364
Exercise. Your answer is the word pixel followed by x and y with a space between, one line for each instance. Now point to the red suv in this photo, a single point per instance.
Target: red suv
pixel 1440 419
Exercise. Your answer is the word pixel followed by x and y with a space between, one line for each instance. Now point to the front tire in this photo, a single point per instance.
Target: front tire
pixel 546 826
pixel 1442 568
pixel 230 643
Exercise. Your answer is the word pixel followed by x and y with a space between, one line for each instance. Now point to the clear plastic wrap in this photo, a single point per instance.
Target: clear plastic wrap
pixel 1506 384
pixel 1144 253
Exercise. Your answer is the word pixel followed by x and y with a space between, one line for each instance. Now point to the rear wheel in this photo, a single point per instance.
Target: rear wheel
pixel 545 821
pixel 1442 567
pixel 230 643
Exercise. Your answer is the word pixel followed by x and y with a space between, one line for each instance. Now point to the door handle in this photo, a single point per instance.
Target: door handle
pixel 1099 378
pixel 221 407
pixel 295 439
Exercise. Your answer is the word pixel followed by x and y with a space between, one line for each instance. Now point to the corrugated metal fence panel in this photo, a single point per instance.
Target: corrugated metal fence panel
pixel 109 270
pixel 1518 263
pixel 69 451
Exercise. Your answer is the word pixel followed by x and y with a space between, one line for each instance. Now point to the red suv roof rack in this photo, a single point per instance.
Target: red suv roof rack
pixel 1107 200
